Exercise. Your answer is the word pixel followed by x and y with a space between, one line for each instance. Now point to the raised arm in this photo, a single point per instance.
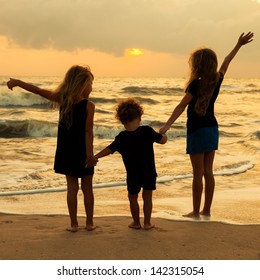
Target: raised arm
pixel 242 40
pixel 31 88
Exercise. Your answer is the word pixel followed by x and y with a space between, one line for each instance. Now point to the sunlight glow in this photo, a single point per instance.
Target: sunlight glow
pixel 135 52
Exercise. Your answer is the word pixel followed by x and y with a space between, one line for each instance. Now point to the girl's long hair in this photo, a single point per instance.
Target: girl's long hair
pixel 203 64
pixel 70 91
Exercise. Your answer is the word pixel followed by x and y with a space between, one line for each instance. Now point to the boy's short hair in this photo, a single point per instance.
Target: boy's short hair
pixel 129 109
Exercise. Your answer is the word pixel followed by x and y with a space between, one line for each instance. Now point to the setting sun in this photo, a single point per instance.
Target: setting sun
pixel 135 52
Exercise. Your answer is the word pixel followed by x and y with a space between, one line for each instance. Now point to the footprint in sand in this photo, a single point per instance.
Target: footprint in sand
pixel 7 222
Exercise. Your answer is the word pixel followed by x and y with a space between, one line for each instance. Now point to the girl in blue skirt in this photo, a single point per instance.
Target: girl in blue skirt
pixel 202 127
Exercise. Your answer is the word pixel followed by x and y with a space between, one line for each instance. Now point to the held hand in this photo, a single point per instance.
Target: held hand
pixel 245 39
pixel 91 161
pixel 164 129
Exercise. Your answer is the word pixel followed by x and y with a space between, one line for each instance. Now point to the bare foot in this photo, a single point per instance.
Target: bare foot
pixel 73 229
pixel 204 213
pixel 148 226
pixel 192 215
pixel 134 225
pixel 90 227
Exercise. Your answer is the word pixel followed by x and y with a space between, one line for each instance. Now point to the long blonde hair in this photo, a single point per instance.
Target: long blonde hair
pixel 70 91
pixel 203 64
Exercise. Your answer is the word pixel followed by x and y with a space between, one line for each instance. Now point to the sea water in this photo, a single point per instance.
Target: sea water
pixel 28 130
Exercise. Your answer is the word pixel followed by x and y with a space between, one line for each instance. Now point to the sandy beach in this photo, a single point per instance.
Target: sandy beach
pixel 33 226
pixel 40 232
pixel 42 237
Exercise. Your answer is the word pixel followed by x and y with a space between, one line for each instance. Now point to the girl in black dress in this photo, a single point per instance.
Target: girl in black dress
pixel 74 152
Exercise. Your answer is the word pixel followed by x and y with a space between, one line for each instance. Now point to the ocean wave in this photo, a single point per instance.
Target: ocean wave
pixel 251 91
pixel 153 90
pixel 154 124
pixel 149 101
pixel 98 100
pixel 101 111
pixel 235 168
pixel 23 99
pixel 38 128
pixel 227 134
pixel 102 100
pixel 227 170
pixel 240 86
pixel 27 128
pixel 232 124
pixel 240 90
pixel 41 128
pixel 106 132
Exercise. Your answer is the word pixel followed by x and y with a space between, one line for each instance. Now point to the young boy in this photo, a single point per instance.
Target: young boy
pixel 135 144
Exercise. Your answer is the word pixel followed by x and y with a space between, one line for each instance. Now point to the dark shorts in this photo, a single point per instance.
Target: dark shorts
pixel 202 140
pixel 135 187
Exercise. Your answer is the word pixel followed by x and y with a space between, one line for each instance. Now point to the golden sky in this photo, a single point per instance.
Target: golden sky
pixel 150 38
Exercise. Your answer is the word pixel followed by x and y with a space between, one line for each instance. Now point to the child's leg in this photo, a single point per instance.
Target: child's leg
pixel 197 161
pixel 72 202
pixel 147 207
pixel 209 182
pixel 87 189
pixel 134 208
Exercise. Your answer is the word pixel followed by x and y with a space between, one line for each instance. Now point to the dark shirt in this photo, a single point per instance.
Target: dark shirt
pixel 136 148
pixel 194 120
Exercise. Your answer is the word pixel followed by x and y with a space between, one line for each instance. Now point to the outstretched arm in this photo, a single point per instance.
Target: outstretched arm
pixel 177 112
pixel 242 40
pixel 105 152
pixel 31 88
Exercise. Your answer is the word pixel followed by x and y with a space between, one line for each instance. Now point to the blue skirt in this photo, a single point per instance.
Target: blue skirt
pixel 202 140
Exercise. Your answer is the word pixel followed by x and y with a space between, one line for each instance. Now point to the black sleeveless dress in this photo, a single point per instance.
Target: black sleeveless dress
pixel 70 157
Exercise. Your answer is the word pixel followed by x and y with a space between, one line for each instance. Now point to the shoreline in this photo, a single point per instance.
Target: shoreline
pixel 38 232
pixel 235 207
pixel 43 237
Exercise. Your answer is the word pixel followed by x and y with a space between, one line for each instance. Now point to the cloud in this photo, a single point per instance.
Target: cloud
pixel 111 26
